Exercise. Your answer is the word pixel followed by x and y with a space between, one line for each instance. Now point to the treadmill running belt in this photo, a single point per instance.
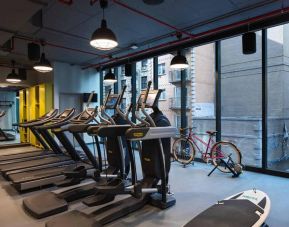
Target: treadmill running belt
pixel 10 151
pixel 31 163
pixel 40 173
pixel 31 154
pixel 228 213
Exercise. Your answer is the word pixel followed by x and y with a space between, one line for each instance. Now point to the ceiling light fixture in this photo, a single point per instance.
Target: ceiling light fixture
pixel 103 38
pixel 179 61
pixel 13 77
pixel 134 47
pixel 43 66
pixel 110 78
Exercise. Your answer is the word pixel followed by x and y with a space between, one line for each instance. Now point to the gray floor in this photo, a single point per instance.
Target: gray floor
pixel 194 192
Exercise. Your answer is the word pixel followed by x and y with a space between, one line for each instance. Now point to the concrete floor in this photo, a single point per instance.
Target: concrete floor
pixel 194 192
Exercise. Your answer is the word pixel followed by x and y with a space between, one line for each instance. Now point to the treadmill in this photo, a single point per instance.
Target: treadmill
pixel 155 162
pixel 48 175
pixel 4 136
pixel 59 157
pixel 31 151
pixel 49 203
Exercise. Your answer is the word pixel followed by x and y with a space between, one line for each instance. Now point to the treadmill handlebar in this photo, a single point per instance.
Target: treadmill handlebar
pixel 58 121
pixel 79 128
pixel 112 130
pixel 41 121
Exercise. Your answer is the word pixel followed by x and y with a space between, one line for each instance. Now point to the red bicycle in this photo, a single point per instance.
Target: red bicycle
pixel 224 155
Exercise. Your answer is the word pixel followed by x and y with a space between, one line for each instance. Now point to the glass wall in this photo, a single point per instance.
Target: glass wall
pixel 241 98
pixel 200 89
pixel 278 93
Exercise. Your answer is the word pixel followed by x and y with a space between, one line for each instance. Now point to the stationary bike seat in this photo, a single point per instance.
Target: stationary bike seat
pixel 211 132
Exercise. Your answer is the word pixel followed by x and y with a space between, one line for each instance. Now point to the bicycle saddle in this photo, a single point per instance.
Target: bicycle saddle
pixel 211 132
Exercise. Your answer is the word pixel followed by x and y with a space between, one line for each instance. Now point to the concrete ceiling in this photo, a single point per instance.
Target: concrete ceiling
pixel 71 26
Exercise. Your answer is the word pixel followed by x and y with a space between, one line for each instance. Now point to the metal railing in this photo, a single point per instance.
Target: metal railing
pixel 175 103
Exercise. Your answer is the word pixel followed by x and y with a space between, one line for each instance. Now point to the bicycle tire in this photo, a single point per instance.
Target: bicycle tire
pixel 181 156
pixel 234 154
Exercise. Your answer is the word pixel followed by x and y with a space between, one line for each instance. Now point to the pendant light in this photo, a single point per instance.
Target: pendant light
pixel 109 78
pixel 13 77
pixel 43 66
pixel 179 62
pixel 103 38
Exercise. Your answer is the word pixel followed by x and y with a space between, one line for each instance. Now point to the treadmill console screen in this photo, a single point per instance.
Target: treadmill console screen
pixel 111 102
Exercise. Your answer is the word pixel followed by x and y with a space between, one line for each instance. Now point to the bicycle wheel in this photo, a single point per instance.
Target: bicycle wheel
pixel 183 150
pixel 228 152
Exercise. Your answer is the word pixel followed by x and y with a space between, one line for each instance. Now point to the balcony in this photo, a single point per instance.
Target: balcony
pixel 175 76
pixel 175 103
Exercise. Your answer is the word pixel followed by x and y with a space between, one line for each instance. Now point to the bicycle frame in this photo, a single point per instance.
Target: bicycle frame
pixel 209 144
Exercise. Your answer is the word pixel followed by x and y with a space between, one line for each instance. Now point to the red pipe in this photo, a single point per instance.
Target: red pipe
pixel 67 2
pixel 152 18
pixel 60 46
pixel 199 35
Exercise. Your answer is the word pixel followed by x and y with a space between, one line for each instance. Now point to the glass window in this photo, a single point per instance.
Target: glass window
pixel 161 69
pixel 122 70
pixel 241 94
pixel 123 80
pixel 163 95
pixel 144 73
pixel 278 93
pixel 144 65
pixel 144 82
pixel 122 83
pixel 200 89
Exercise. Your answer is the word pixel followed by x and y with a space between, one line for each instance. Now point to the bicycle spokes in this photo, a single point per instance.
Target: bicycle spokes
pixel 225 156
pixel 183 151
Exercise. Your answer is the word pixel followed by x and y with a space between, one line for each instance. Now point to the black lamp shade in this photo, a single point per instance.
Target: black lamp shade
pixel 43 65
pixel 179 62
pixel 13 77
pixel 103 38
pixel 249 43
pixel 109 77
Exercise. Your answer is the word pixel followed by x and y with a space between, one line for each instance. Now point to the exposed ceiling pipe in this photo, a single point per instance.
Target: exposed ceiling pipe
pixel 197 36
pixel 67 2
pixel 50 44
pixel 257 5
pixel 39 2
pixel 188 28
pixel 47 43
pixel 11 67
pixel 153 18
pixel 66 33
